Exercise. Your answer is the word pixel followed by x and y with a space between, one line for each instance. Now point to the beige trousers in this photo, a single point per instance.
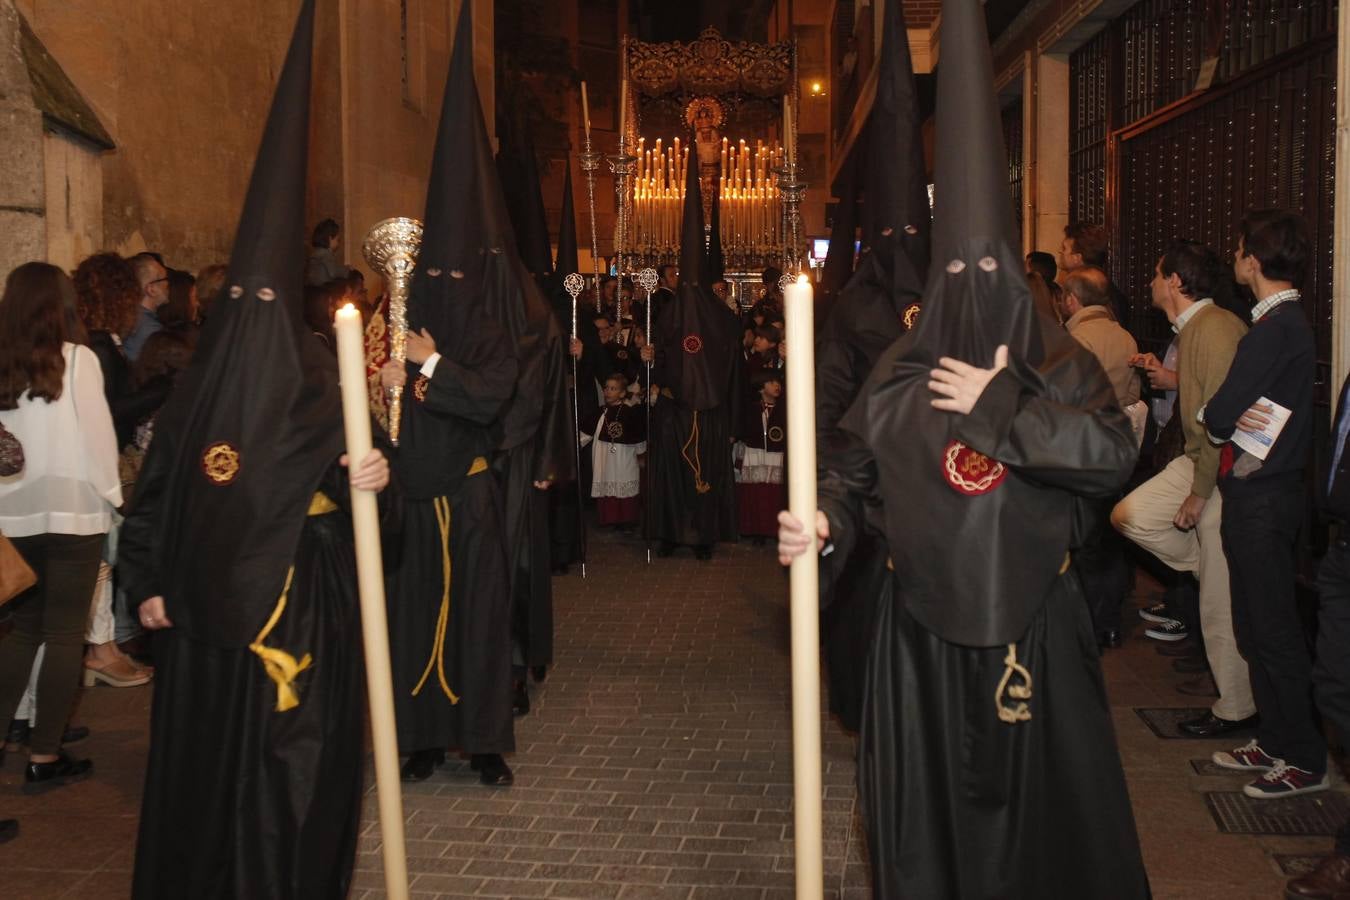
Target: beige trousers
pixel 1145 517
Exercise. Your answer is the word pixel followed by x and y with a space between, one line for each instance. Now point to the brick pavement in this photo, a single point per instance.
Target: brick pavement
pixel 656 763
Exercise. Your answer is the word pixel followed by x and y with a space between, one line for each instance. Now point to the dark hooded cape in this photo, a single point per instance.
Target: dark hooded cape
pixel 949 759
pixel 698 366
pixel 449 625
pixel 876 305
pixel 245 796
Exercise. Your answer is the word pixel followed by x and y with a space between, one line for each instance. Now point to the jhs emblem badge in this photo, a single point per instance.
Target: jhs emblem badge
pixel 971 472
pixel 693 343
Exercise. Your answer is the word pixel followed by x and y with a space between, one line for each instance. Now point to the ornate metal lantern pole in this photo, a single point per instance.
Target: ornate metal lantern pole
pixel 391 249
pixel 647 279
pixel 574 283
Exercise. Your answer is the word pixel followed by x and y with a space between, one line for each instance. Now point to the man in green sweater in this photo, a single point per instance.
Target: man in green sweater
pixel 1175 515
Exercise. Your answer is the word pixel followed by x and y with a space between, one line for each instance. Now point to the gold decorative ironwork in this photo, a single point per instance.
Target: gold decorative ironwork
pixel 391 249
pixel 711 65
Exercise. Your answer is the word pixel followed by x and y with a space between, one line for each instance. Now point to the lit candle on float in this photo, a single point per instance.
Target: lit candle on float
pixel 351 346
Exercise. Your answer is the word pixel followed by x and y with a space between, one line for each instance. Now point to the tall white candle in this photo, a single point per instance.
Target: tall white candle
pixel 370 579
pixel 805 585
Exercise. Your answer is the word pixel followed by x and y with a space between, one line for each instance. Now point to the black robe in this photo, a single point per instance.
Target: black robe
pixel 449 421
pixel 242 800
pixel 1044 800
pixel 692 496
pixel 861 325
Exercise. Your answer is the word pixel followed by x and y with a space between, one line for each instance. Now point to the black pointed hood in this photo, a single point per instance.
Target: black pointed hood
pixel 838 266
pixel 700 333
pixel 897 179
pixel 256 420
pixel 693 248
pixel 446 285
pixel 1014 528
pixel 567 229
pixel 532 226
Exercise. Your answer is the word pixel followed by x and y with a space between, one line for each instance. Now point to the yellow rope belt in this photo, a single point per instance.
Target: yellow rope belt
pixel 281 666
pixel 695 464
pixel 437 660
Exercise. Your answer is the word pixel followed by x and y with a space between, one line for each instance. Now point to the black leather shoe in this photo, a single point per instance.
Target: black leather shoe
pixel 1190 665
pixel 9 829
pixel 1329 881
pixel 520 699
pixel 39 778
pixel 422 764
pixel 1109 639
pixel 560 569
pixel 703 551
pixel 1210 725
pixel 492 769
pixel 539 673
pixel 666 548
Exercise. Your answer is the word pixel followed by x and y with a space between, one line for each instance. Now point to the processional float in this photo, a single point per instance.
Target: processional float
pixel 758 196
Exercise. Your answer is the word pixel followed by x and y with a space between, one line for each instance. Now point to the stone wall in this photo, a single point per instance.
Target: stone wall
pixel 184 91
pixel 21 177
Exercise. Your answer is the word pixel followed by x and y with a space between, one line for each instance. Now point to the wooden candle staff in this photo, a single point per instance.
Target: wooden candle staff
pixel 370 576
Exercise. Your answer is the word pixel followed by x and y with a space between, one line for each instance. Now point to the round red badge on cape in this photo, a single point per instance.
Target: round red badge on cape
pixel 971 472
pixel 692 343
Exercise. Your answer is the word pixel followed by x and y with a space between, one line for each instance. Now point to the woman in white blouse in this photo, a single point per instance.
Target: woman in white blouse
pixel 58 509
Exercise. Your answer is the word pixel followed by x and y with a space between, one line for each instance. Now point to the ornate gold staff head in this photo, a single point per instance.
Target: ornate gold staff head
pixel 391 249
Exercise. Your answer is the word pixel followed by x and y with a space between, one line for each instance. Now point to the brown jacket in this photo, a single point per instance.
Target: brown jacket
pixel 1102 336
pixel 1205 349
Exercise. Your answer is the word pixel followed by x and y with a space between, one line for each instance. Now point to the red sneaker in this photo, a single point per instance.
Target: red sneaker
pixel 1247 758
pixel 1286 781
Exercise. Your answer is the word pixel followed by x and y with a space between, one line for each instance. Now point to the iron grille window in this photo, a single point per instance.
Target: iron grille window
pixel 1088 99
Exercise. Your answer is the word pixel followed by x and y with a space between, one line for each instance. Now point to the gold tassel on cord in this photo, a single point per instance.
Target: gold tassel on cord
pixel 695 464
pixel 1019 711
pixel 281 666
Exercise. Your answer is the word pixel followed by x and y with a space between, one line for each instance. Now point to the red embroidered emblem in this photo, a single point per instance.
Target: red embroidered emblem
pixel 971 472
pixel 420 388
pixel 910 316
pixel 693 343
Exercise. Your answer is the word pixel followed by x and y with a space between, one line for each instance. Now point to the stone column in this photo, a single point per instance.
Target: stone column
pixel 23 221
pixel 1051 143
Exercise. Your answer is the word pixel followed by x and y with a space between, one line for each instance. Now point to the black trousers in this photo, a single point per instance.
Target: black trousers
pixel 53 611
pixel 1102 569
pixel 1331 675
pixel 1258 529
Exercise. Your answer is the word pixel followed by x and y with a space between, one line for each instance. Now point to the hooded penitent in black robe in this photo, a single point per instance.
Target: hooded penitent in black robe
pixel 564 500
pixel 537 444
pixel 253 781
pixel 987 762
pixel 878 304
pixel 449 600
pixel 698 368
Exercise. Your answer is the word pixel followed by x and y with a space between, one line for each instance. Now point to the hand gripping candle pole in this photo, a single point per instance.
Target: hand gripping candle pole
pixel 374 627
pixel 391 249
pixel 805 586
pixel 574 283
pixel 647 279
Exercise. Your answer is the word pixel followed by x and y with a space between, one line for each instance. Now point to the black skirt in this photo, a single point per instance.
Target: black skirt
pixel 963 806
pixel 242 800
